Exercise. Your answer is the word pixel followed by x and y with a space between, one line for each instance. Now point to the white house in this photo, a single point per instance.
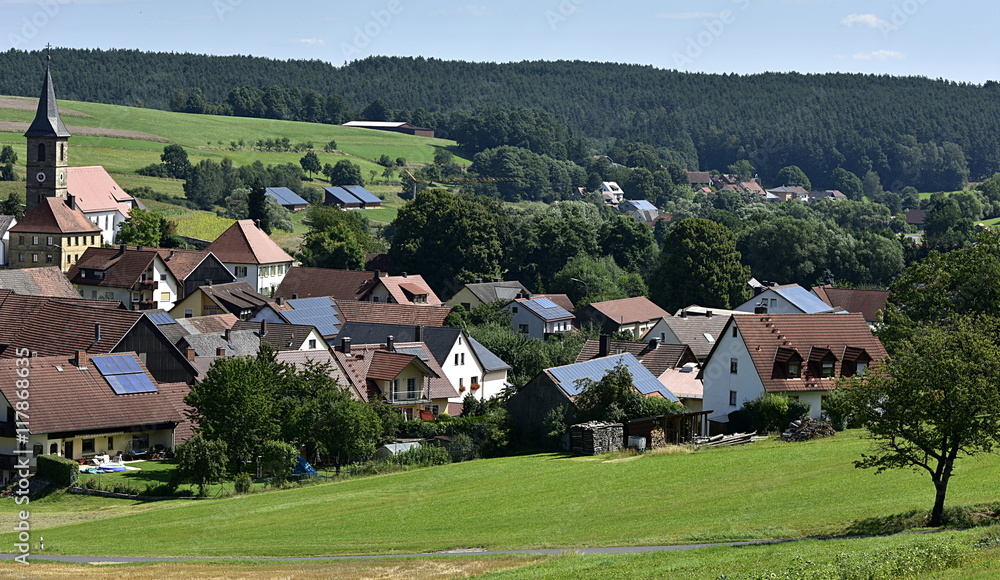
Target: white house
pixel 539 317
pixel 137 277
pixel 790 299
pixel 252 256
pixel 800 355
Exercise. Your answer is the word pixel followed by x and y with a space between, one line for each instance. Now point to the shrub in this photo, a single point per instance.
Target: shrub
pixel 462 448
pixel 839 412
pixel 424 456
pixel 444 417
pixel 279 458
pixel 242 483
pixel 772 412
pixel 57 470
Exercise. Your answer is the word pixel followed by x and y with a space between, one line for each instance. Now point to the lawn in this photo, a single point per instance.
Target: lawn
pixel 765 491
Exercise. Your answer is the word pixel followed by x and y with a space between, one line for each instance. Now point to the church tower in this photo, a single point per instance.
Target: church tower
pixel 47 148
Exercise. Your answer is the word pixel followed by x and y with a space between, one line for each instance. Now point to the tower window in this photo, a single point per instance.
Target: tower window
pixel 62 152
pixel 41 151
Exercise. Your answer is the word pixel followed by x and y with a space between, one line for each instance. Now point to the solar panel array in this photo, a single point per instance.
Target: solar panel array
pixel 323 318
pixel 342 195
pixel 361 193
pixel 595 369
pixel 545 303
pixel 160 318
pixel 123 373
pixel 286 196
pixel 546 309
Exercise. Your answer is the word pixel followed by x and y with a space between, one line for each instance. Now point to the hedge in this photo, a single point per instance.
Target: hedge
pixel 57 470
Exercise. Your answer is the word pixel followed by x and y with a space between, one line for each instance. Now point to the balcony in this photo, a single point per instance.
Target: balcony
pixel 148 284
pixel 145 304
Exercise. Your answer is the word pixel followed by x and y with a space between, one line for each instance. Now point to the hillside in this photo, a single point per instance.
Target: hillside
pixel 819 122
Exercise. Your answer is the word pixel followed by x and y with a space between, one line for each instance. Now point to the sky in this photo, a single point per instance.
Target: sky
pixel 954 40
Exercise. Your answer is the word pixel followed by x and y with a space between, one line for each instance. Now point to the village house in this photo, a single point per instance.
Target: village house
pixel 539 317
pixel 611 193
pixel 479 293
pixel 251 256
pixel 53 233
pixel 636 315
pixel 135 276
pixel 698 331
pixel 788 299
pixel 237 298
pixel 303 282
pixel 799 355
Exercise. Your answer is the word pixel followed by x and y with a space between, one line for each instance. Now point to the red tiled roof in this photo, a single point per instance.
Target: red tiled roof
pixel 20 314
pixel 355 311
pixel 72 399
pixel 403 288
pixel 841 334
pixel 656 360
pixel 867 302
pixel 315 282
pixel 245 243
pixel 53 216
pixel 629 310
pixel 95 190
pixel 59 328
pixel 182 262
pixel 387 365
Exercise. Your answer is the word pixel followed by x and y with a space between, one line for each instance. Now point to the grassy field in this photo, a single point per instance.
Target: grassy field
pixel 766 491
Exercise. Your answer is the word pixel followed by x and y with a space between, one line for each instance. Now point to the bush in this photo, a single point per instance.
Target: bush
pixel 57 470
pixel 279 458
pixel 772 412
pixel 424 456
pixel 839 412
pixel 462 448
pixel 242 483
pixel 444 417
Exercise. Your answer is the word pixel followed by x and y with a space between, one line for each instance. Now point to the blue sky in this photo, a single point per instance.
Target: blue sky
pixel 954 40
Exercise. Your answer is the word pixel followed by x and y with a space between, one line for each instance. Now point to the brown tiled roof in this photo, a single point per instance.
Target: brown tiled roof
pixel 867 302
pixel 237 294
pixel 122 267
pixel 212 323
pixel 691 330
pixel 245 243
pixel 355 366
pixel 772 336
pixel 45 281
pixel 61 327
pixel 182 262
pixel 72 399
pixel 387 365
pixel 380 262
pixel 315 282
pixel 372 361
pixel 53 216
pixel 440 385
pixel 698 177
pixel 18 312
pixel 629 310
pixel 95 190
pixel 916 216
pixel 380 312
pixel 560 300
pixel 176 393
pixel 282 336
pixel 404 288
pixel 656 360
pixel 301 358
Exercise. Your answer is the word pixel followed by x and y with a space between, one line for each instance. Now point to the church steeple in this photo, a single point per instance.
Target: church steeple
pixel 47 145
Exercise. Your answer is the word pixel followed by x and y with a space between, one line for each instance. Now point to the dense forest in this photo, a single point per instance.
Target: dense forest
pixel 908 130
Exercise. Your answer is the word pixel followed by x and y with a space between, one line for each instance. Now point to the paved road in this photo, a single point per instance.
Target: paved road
pixel 548 552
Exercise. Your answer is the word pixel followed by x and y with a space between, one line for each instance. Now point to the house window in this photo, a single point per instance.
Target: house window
pixel 467 306
pixel 188 313
pixel 54 449
pixel 860 367
pixel 165 296
pixel 433 409
pixel 312 343
pixel 774 302
pixel 48 258
pixel 474 380
pixel 732 398
pixel 734 331
pixel 734 365
pixel 93 294
pixel 20 257
pixel 514 309
pixel 794 369
pixel 463 358
pixel 68 259
pixel 34 258
pixel 140 441
pixel 522 328
pixel 34 240
pixel 111 443
pixel 826 370
pixel 241 271
pixel 135 297
pixel 420 299
pixel 48 241
pixel 411 388
pixel 87 446
pixel 375 299
pixel 163 277
pixel 20 240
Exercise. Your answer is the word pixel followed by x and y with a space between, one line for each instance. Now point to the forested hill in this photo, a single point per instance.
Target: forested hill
pixel 892 125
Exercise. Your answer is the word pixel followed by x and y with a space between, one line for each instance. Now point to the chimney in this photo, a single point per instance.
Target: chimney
pixel 228 335
pixel 498 279
pixel 760 308
pixel 389 346
pixel 345 345
pixel 97 332
pixel 263 328
pixel 654 343
pixel 139 248
pixel 404 274
pixel 220 351
pixel 121 249
pixel 208 282
pixel 479 280
pixel 605 346
pixel 189 353
pixel 418 333
pixel 684 313
pixel 81 358
pixel 170 256
pixel 71 201
pixel 708 313
pixel 281 300
pixel 757 290
pixel 376 274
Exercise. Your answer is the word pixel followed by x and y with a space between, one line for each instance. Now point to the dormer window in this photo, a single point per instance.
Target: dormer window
pixel 794 369
pixel 826 367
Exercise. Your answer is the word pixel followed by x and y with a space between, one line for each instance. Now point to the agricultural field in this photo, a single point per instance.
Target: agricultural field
pixel 767 491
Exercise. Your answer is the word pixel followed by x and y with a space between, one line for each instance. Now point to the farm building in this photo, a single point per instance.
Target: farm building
pixel 394 126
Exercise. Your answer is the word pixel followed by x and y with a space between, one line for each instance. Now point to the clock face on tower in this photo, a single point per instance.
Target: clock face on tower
pixel 40 177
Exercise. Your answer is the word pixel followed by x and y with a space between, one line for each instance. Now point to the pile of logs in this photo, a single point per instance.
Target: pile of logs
pixel 734 439
pixel 806 429
pixel 596 437
pixel 657 439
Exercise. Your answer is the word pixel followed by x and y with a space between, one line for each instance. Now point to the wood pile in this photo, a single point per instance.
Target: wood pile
pixel 657 439
pixel 806 429
pixel 723 440
pixel 596 437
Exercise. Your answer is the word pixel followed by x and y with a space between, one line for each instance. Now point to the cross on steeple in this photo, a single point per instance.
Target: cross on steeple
pixel 48 51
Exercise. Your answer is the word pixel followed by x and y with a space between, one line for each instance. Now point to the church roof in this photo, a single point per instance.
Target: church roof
pixel 53 216
pixel 47 122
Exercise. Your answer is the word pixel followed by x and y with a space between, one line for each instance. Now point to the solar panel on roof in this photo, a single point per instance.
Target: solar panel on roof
pixel 545 303
pixel 342 195
pixel 320 301
pixel 116 364
pixel 324 319
pixel 362 194
pixel 160 318
pixel 123 373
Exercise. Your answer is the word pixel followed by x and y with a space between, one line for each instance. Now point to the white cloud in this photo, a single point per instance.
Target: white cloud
pixel 311 41
pixel 869 20
pixel 879 55
pixel 688 15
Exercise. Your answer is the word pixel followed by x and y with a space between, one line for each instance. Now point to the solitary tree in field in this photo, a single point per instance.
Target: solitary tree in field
pixel 310 163
pixel 934 401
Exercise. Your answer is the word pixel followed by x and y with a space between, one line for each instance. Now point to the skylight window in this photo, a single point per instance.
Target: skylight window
pixel 709 337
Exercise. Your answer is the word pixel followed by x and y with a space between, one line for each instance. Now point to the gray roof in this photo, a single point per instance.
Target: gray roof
pixel 691 330
pixel 491 362
pixel 342 196
pixel 361 193
pixel 319 312
pixel 566 377
pixel 285 196
pixel 241 343
pixel 490 292
pixel 546 309
pixel 438 339
pixel 5 223
pixel 637 204
pixel 47 121
pixel 803 299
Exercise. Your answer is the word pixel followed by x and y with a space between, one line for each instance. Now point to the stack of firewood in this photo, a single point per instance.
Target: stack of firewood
pixel 806 429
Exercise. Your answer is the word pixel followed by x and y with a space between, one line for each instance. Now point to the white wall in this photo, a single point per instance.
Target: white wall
pixel 776 304
pixel 718 381
pixel 109 222
pixel 536 326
